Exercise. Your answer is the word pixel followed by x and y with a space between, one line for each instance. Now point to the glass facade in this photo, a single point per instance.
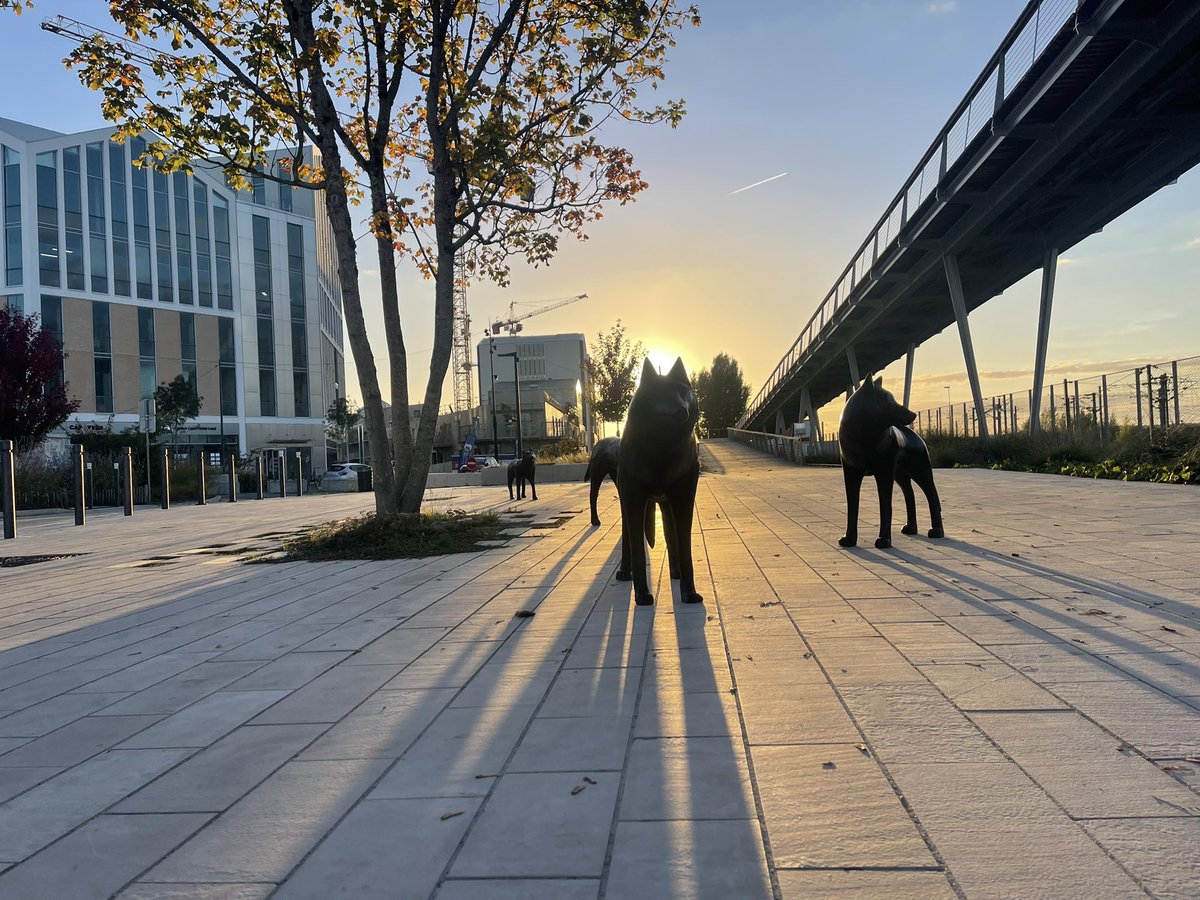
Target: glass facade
pixel 295 241
pixel 49 273
pixel 120 220
pixel 141 220
pixel 263 308
pixel 204 287
pixel 220 208
pixel 147 374
pixel 183 236
pixel 97 224
pixel 52 321
pixel 10 184
pixel 187 347
pixel 73 210
pixel 162 237
pixel 228 370
pixel 102 354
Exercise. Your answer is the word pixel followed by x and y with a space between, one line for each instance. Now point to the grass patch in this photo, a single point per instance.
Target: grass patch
pixel 1127 453
pixel 395 537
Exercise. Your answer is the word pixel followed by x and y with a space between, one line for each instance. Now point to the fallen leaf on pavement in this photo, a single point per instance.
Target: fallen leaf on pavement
pixel 829 765
pixel 523 614
pixel 1168 628
pixel 579 787
pixel 451 815
pixel 863 748
pixel 589 780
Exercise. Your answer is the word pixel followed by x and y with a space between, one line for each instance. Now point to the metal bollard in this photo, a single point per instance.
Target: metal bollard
pixel 91 488
pixel 78 470
pixel 258 472
pixel 166 478
pixel 283 473
pixel 8 489
pixel 299 475
pixel 127 486
pixel 201 489
pixel 233 479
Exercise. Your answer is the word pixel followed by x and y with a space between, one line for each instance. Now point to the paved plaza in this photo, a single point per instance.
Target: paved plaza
pixel 1011 712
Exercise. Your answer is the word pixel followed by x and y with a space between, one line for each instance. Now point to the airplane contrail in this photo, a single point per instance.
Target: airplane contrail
pixel 757 183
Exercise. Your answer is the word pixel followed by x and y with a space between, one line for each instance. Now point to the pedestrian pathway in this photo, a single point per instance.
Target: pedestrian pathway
pixel 1014 711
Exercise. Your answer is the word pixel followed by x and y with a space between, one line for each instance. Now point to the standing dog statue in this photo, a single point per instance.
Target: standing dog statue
pixel 602 464
pixel 659 463
pixel 520 471
pixel 875 440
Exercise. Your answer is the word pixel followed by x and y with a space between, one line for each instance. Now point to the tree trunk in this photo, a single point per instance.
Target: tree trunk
pixel 337 207
pixel 400 449
pixel 443 336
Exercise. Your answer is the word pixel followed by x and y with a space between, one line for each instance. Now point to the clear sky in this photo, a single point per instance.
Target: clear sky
pixel 842 96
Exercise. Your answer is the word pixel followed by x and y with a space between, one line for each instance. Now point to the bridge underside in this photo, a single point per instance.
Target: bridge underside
pixel 1105 122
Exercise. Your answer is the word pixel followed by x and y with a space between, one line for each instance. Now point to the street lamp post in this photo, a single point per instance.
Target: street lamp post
pixel 517 378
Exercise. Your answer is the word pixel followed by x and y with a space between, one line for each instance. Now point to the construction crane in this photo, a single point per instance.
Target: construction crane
pixel 513 323
pixel 464 384
pixel 75 30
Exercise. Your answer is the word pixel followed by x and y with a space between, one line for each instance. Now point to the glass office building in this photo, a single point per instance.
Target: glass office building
pixel 146 275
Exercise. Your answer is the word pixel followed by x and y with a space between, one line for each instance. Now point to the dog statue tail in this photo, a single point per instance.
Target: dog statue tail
pixel 587 473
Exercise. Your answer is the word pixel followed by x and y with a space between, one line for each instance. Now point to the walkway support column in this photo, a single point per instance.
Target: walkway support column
pixel 852 362
pixel 1049 268
pixel 964 333
pixel 908 370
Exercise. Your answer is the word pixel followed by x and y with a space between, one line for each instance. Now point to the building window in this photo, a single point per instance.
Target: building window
pixel 285 190
pixel 228 360
pixel 102 356
pixel 264 307
pixel 295 240
pixel 204 285
pixel 183 236
pixel 97 224
pixel 220 207
pixel 147 379
pixel 10 181
pixel 47 218
pixel 141 220
pixel 52 322
pixel 162 237
pixel 258 187
pixel 12 301
pixel 73 209
pixel 120 219
pixel 187 347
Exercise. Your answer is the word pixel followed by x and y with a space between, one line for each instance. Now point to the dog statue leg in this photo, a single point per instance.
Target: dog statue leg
pixel 682 510
pixel 922 473
pixel 884 481
pixel 910 502
pixel 633 509
pixel 671 538
pixel 853 477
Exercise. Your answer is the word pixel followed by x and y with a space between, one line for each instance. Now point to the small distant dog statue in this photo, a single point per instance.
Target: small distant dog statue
pixel 875 440
pixel 520 471
pixel 659 463
pixel 602 464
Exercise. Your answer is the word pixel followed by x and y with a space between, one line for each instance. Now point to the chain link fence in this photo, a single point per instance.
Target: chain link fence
pixel 1155 395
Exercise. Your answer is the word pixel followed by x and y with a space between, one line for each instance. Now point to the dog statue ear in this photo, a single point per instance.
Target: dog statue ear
pixel 648 368
pixel 879 382
pixel 869 381
pixel 678 372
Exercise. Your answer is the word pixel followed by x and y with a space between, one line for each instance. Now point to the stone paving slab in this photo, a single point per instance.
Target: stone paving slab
pixel 1013 711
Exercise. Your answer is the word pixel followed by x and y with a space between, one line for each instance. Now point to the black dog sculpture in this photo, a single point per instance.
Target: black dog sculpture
pixel 602 464
pixel 875 440
pixel 520 471
pixel 659 463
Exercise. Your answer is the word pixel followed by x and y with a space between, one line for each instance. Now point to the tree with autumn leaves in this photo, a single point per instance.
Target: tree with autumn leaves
pixel 461 128
pixel 33 398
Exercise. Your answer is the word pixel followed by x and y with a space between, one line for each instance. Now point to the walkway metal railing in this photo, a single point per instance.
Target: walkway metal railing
pixel 793 449
pixel 1037 26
